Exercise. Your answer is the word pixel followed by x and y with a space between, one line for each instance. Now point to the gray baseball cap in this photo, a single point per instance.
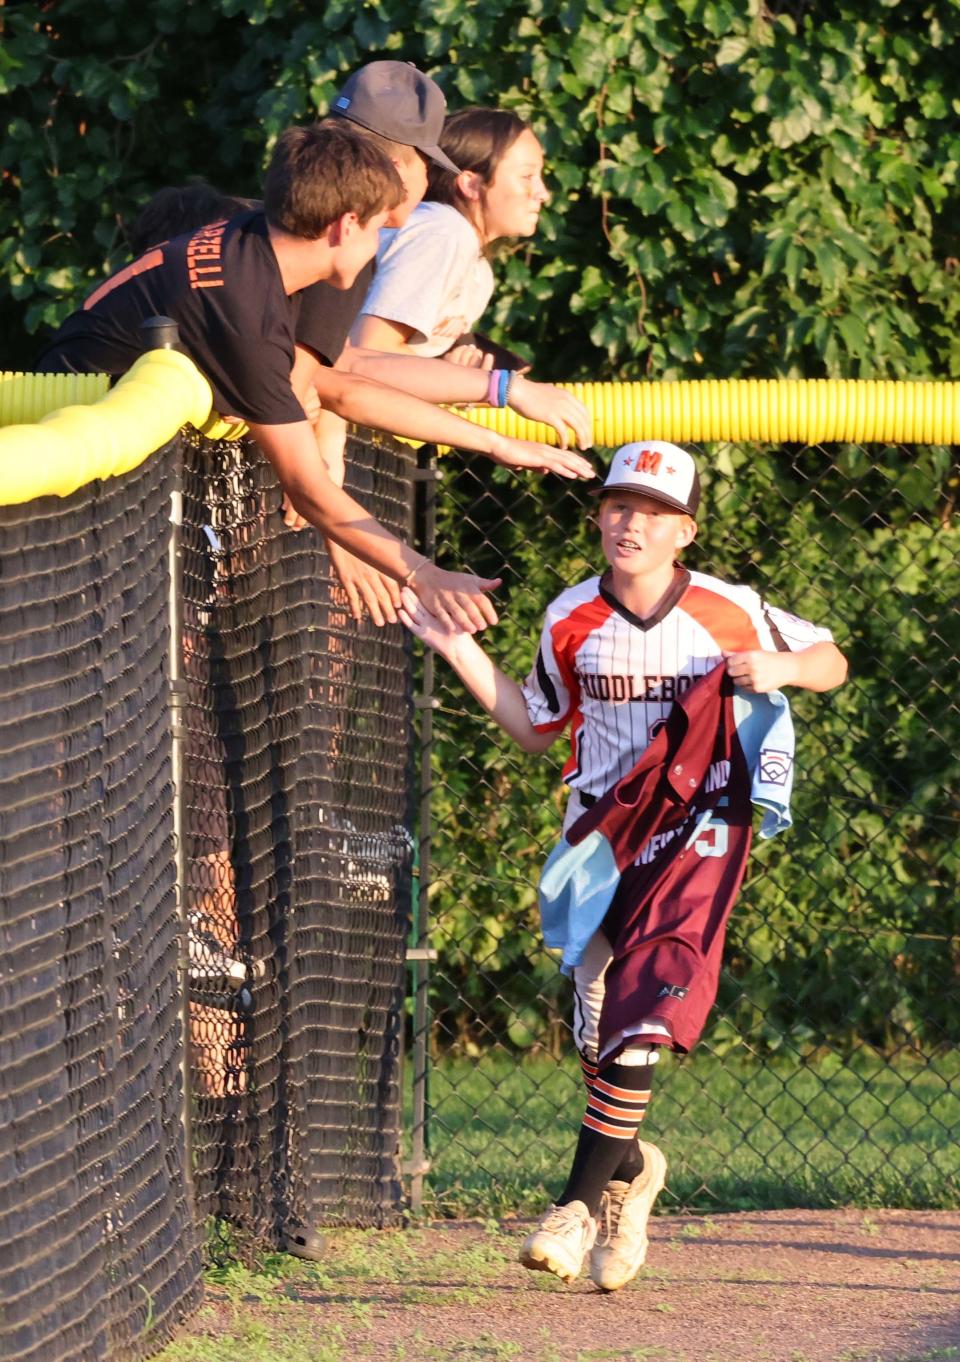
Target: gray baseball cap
pixel 396 100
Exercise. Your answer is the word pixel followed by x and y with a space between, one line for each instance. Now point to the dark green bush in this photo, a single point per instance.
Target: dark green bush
pixel 739 188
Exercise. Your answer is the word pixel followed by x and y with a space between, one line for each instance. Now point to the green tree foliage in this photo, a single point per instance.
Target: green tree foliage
pixel 740 187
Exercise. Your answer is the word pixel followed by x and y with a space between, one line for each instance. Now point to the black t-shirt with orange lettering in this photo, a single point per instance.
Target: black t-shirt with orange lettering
pixel 222 286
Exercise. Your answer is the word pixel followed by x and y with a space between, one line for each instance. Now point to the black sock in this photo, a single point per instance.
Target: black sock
pixel 631 1165
pixel 616 1105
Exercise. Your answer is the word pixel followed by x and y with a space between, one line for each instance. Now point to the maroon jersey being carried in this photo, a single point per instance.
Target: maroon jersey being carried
pixel 675 832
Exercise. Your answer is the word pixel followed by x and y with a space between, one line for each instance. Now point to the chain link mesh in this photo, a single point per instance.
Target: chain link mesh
pixel 296 744
pixel 98 1254
pixel 298 794
pixel 829 1068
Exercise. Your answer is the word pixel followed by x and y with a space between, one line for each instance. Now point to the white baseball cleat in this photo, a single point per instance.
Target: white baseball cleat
pixel 562 1239
pixel 621 1245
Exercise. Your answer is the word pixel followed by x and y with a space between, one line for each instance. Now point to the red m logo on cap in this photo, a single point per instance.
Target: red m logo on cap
pixel 648 461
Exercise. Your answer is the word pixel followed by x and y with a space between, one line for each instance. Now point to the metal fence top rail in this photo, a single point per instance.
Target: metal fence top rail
pixel 106 434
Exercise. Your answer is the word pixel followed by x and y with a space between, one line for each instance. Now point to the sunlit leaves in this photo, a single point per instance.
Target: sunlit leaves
pixel 778 189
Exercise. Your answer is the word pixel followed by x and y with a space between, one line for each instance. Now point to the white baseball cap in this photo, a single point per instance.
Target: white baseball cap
pixel 658 469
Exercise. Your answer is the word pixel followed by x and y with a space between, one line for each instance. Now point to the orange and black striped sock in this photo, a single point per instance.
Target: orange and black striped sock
pixel 588 1068
pixel 617 1102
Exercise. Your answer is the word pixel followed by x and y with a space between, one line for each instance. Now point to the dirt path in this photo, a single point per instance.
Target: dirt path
pixel 780 1286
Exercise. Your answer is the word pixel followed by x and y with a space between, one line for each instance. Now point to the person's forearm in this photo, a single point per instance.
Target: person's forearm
pixel 370 403
pixel 325 505
pixel 820 667
pixel 331 432
pixel 434 380
pixel 346 522
pixel 497 693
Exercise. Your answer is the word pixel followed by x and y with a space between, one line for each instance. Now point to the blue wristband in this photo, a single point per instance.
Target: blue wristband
pixel 503 385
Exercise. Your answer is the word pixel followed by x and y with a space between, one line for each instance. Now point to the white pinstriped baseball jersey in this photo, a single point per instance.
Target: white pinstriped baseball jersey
pixel 612 677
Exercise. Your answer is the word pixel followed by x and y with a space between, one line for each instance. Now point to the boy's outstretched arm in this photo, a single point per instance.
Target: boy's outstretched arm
pixel 292 450
pixel 822 666
pixel 498 693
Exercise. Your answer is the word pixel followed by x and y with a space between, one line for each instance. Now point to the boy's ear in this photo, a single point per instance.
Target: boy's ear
pixel 340 229
pixel 687 532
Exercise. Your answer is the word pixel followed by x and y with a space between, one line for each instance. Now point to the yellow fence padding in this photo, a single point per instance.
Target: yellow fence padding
pixel 804 411
pixel 218 427
pixel 62 451
pixel 28 397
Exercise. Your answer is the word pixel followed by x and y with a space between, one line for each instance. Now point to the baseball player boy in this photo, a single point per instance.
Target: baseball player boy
pixel 667 681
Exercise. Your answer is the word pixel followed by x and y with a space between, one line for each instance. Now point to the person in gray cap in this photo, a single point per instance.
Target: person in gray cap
pixel 403 110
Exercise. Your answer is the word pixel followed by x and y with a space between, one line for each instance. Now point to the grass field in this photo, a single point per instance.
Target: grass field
pixel 739 1134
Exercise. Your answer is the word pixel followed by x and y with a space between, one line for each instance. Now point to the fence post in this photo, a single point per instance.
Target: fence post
pixel 160 333
pixel 420 954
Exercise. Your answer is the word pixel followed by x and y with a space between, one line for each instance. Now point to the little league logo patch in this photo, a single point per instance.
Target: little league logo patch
pixel 775 765
pixel 672 991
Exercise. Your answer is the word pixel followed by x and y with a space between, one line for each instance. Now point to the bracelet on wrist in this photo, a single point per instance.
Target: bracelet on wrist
pixel 512 376
pixel 503 382
pixel 408 580
pixel 493 383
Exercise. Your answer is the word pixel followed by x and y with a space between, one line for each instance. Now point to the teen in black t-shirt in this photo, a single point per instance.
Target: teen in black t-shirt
pixel 222 286
pixel 230 287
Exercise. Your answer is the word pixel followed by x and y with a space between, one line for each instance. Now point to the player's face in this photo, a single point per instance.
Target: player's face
pixel 412 169
pixel 640 535
pixel 356 243
pixel 511 202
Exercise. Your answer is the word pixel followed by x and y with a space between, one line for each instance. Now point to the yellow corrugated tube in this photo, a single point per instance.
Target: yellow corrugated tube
pixel 804 411
pixel 29 397
pixel 73 445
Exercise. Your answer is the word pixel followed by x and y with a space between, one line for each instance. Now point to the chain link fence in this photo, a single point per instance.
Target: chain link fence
pixel 215 660
pixel 298 802
pixel 99 1255
pixel 829 1070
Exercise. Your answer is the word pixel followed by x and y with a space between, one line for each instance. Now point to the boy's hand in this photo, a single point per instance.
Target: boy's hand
pixel 436 634
pixel 554 407
pixel 760 671
pixel 544 458
pixel 456 598
pixel 365 586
